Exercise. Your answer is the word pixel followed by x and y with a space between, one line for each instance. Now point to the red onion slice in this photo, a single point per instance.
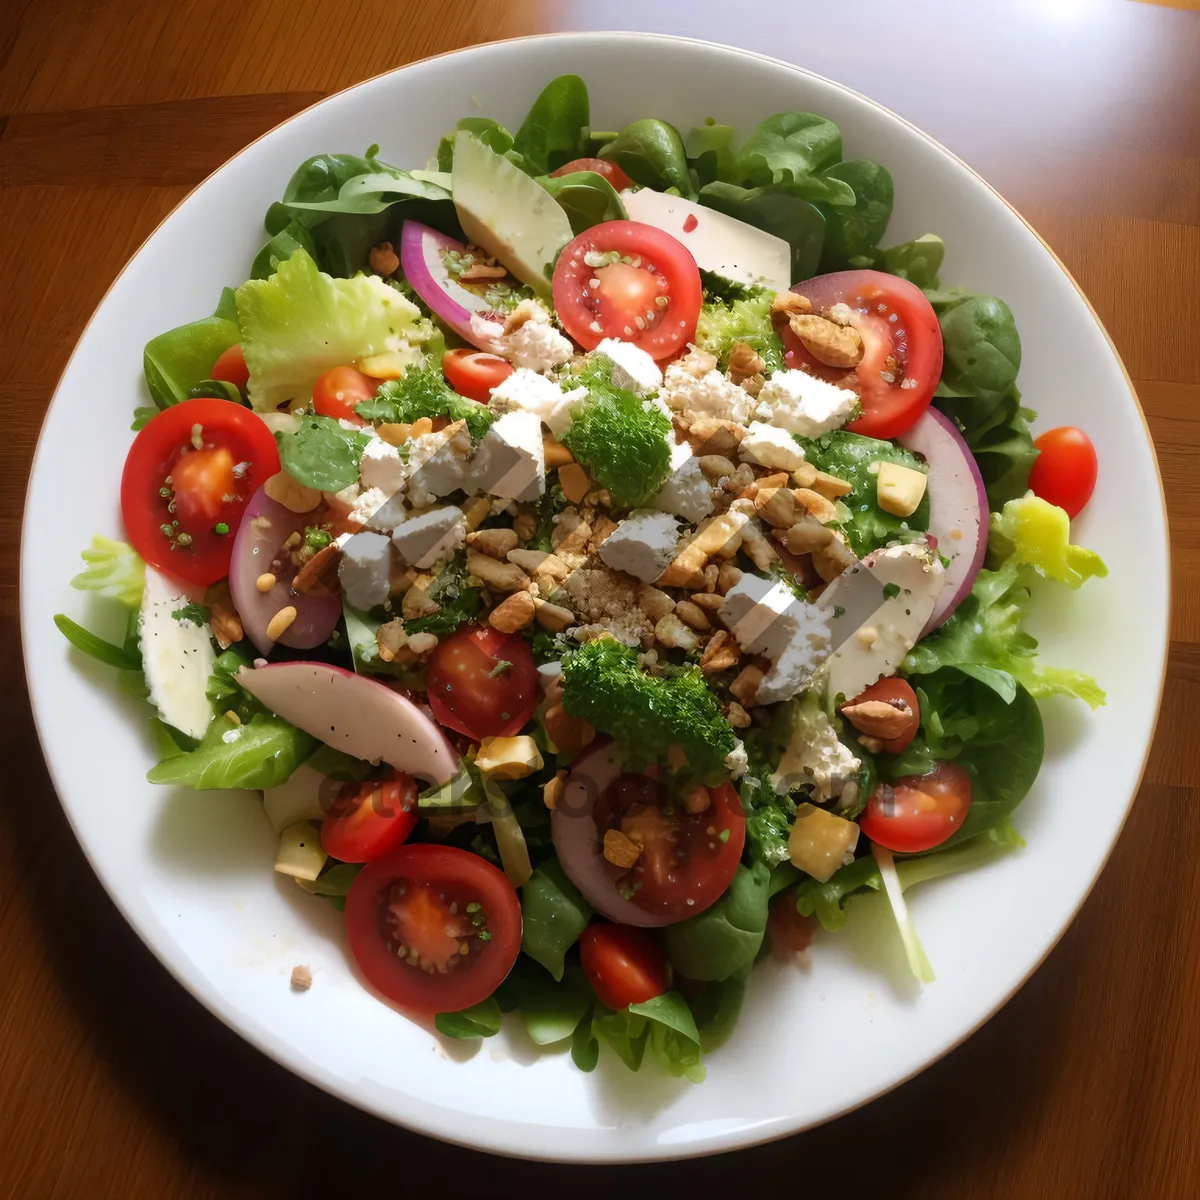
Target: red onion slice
pixel 422 252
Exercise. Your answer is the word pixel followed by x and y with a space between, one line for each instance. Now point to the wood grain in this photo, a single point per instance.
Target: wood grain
pixel 114 1082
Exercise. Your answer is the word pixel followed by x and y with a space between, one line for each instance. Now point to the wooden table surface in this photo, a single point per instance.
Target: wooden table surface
pixel 1086 115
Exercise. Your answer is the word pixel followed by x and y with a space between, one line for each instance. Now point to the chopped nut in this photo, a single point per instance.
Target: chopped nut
pixel 671 632
pixel 574 481
pixel 569 734
pixel 512 614
pixel 478 271
pixel 711 435
pixel 554 452
pixel 805 475
pixel 301 979
pixel 708 602
pixel 295 497
pixel 737 716
pixel 829 486
pixel 872 745
pixel 728 576
pixel 279 623
pixel 620 850
pixel 829 343
pixel 391 640
pixel 654 602
pixel 223 618
pixel 740 480
pixel 503 576
pixel 553 617
pixel 744 361
pixel 776 506
pixel 524 526
pixel 421 426
pixel 384 260
pixel 807 535
pixel 417 601
pixel 603 527
pixel 401 578
pixel 319 575
pixel 265 582
pixel 756 547
pixel 721 653
pixel 525 312
pixel 716 466
pixel 476 511
pixel 495 543
pixel 394 433
pixel 692 616
pixel 831 560
pixel 553 789
pixel 815 505
pixel 788 304
pixel 696 798
pixel 753 384
pixel 879 718
pixel 745 686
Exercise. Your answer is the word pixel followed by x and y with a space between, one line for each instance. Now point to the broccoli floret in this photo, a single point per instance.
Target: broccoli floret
pixel 647 715
pixel 745 319
pixel 422 392
pixel 621 439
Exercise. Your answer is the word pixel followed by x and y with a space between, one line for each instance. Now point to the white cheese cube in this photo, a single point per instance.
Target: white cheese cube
pixel 526 391
pixel 365 568
pixel 643 545
pixel 431 536
pixel 511 462
pixel 770 446
pixel 686 493
pixel 437 463
pixel 803 404
pixel 382 467
pixel 632 368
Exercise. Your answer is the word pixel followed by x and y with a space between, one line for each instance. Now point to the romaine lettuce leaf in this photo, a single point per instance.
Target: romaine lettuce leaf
pixel 260 753
pixel 113 569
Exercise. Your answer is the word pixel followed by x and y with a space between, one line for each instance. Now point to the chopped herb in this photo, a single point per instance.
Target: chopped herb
pixel 839 610
pixel 196 613
pixel 723 836
pixel 221 528
pixel 317 536
pixel 484 935
pixel 501 667
pixel 890 590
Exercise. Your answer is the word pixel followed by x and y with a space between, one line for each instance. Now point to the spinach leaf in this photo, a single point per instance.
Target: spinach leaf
pixel 124 658
pixel 918 261
pixel 551 1011
pixel 322 454
pixel 710 152
pixel 651 153
pixel 982 346
pixel 722 939
pixel 717 1007
pixel 260 753
pixel 674 1039
pixel 555 131
pixel 778 209
pixel 553 915
pixel 851 234
pixel 222 686
pixel 585 1046
pixel 788 146
pixel 586 198
pixel 996 430
pixel 480 1020
pixel 217 389
pixel 176 361
pixel 333 881
pixel 292 237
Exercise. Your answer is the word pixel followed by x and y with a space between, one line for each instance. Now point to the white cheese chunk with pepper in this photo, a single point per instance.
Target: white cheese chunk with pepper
pixel 526 391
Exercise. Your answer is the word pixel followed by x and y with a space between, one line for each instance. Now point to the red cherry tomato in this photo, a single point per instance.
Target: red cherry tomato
pixel 186 481
pixel 473 373
pixel 899 695
pixel 648 294
pixel 687 859
pixel 413 937
pixel 601 166
pixel 231 367
pixel 370 819
pixel 1065 470
pixel 902 358
pixel 624 965
pixel 472 690
pixel 918 812
pixel 337 392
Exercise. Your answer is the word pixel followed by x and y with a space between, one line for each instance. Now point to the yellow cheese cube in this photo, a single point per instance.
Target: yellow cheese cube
pixel 819 841
pixel 508 757
pixel 899 489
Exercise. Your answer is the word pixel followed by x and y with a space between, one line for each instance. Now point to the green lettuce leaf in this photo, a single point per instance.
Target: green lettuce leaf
pixel 113 569
pixel 178 360
pixel 553 915
pixel 715 944
pixel 1034 533
pixel 260 753
pixel 746 318
pixel 480 1020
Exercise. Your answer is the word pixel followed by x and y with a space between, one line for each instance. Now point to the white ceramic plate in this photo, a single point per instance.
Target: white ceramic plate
pixel 192 872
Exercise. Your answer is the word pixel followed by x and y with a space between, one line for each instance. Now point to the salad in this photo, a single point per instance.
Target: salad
pixel 606 557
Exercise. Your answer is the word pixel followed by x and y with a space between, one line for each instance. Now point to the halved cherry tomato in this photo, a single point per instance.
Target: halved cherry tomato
pixel 337 392
pixel 186 481
pixel 646 288
pixel 1065 471
pixel 483 682
pixel 231 367
pixel 601 166
pixel 895 692
pixel 902 347
pixel 433 928
pixel 789 933
pixel 368 820
pixel 918 812
pixel 473 373
pixel 624 965
pixel 687 859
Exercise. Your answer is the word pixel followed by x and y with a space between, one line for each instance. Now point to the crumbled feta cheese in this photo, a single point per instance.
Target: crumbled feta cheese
pixel 707 395
pixel 428 538
pixel 510 461
pixel 534 345
pixel 367 504
pixel 382 467
pixel 770 447
pixel 686 493
pixel 814 755
pixel 437 462
pixel 803 404
pixel 365 568
pixel 632 368
pixel 642 545
pixel 526 391
pixel 736 762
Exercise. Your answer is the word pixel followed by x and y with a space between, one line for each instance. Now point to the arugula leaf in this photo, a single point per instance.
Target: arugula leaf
pixel 322 454
pixel 553 915
pixel 480 1020
pixel 260 753
pixel 457 592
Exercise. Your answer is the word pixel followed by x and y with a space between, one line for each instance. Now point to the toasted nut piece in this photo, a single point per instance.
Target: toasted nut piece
pixel 423 643
pixel 711 435
pixel 394 433
pixel 554 452
pixel 788 304
pixel 495 543
pixel 553 789
pixel 654 602
pixel 480 271
pixel 278 624
pixel 744 361
pixel 384 260
pixel 295 497
pixel 574 481
pixel 475 512
pixel 805 536
pixel 547 569
pixel 565 524
pixel 872 745
pixel 319 576
pixel 603 527
pixel 756 547
pixel 707 602
pixel 417 601
pixel 696 798
pixel 687 564
pixel 301 979
pixel 727 577
pixel 265 582
pixel 291 541
pixel 671 632
pixel 421 426
pixel 805 475
pixel 736 715
pixel 553 617
pixel 512 614
pixel 401 579
pixel 829 343
pixel 745 686
pixel 815 504
pixel 776 506
pixel 721 654
pixel 525 312
pixel 753 384
pixel 829 486
pixel 569 734
pixel 502 576
pixel 692 616
pixel 774 480
pixel 716 466
pixel 740 480
pixel 879 718
pixel 831 560
pixel 223 618
pixel 524 526
pixel 391 640
pixel 620 850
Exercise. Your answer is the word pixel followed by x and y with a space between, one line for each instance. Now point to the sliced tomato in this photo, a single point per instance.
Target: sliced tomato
pixel 626 280
pixel 687 859
pixel 433 928
pixel 896 693
pixel 186 481
pixel 336 393
pixel 1066 469
pixel 902 347
pixel 624 965
pixel 601 166
pixel 918 812
pixel 368 820
pixel 483 682
pixel 473 373
pixel 231 367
